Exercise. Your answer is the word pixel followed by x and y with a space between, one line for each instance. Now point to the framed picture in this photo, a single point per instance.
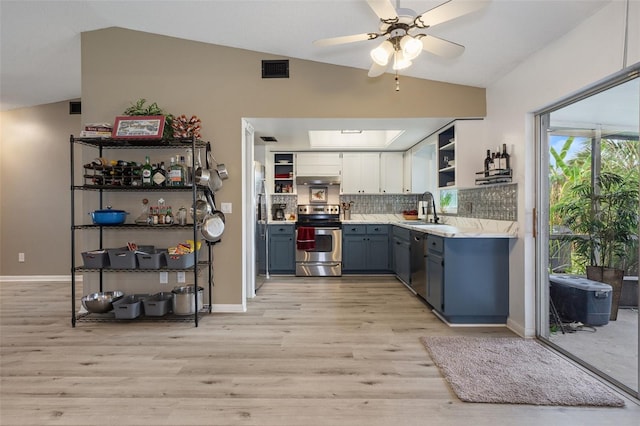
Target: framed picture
pixel 318 194
pixel 138 127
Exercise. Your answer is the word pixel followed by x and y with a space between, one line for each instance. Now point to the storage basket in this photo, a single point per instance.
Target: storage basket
pixel 158 304
pixel 180 261
pixel 122 258
pixel 155 260
pixel 95 259
pixel 129 307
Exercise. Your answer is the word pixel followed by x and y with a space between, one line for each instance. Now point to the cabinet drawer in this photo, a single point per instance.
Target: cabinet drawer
pixel 281 229
pixel 354 229
pixel 435 244
pixel 402 233
pixel 377 229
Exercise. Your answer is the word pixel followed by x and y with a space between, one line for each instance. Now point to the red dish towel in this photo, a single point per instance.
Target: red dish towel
pixel 306 239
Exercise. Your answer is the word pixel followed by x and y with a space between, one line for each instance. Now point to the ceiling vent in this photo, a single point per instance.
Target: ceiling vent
pixel 275 68
pixel 269 138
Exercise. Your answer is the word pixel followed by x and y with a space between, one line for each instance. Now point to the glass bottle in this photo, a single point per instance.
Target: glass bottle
pixel 506 159
pixel 487 163
pixel 159 176
pixel 175 173
pixel 147 170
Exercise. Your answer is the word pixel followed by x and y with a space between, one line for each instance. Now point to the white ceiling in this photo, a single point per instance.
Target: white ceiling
pixel 40 40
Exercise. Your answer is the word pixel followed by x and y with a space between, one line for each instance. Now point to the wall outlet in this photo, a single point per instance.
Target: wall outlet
pixel 181 277
pixel 226 207
pixel 164 278
pixel 20 257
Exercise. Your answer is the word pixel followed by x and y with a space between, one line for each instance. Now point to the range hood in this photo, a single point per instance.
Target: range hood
pixel 318 180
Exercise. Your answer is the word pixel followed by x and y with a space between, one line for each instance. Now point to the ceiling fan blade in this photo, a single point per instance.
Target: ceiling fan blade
pixel 441 47
pixel 383 8
pixel 345 39
pixel 448 11
pixel 377 70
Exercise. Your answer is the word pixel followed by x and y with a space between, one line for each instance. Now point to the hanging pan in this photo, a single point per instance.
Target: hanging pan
pixel 213 224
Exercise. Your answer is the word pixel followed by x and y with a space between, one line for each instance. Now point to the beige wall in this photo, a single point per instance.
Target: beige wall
pixel 222 85
pixel 34 189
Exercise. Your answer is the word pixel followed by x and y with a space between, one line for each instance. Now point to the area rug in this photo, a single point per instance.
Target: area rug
pixel 514 371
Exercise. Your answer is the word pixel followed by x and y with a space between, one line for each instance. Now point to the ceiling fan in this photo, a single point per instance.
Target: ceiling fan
pixel 403 40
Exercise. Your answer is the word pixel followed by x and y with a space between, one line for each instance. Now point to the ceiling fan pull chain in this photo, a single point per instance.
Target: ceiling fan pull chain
pixel 397 82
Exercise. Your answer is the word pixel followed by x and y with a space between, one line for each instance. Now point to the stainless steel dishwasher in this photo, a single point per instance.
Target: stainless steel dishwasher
pixel 419 263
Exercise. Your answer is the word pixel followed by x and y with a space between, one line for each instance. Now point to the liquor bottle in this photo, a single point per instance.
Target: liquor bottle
pixel 175 173
pixel 147 170
pixel 487 163
pixel 492 163
pixel 188 168
pixel 185 171
pixel 159 176
pixel 505 159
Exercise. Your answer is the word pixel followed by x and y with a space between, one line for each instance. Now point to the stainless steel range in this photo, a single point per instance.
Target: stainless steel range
pixel 319 241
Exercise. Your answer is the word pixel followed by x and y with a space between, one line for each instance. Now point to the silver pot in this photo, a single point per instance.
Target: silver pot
pixel 184 300
pixel 201 210
pixel 222 171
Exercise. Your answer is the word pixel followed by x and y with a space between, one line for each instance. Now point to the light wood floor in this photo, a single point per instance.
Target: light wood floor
pixel 307 352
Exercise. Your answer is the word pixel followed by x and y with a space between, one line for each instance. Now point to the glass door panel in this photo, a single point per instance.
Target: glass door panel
pixel 588 149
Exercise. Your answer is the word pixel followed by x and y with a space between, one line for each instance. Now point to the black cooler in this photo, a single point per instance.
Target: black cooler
pixel 579 299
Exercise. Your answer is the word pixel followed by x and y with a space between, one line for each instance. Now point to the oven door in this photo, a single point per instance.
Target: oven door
pixel 325 259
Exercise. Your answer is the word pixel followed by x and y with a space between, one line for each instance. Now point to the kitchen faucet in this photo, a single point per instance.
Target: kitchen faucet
pixel 433 206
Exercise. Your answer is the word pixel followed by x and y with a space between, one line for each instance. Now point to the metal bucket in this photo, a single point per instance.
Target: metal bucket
pixel 184 300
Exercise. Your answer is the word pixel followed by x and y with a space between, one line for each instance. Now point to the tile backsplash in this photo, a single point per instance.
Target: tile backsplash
pixel 380 203
pixel 497 202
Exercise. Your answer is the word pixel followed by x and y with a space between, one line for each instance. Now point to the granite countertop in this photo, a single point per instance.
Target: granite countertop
pixel 453 227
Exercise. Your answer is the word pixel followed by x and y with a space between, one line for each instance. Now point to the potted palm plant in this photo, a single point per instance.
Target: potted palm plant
pixel 604 222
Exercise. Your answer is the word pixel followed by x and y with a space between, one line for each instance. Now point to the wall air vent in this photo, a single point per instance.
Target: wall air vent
pixel 275 69
pixel 268 138
pixel 75 107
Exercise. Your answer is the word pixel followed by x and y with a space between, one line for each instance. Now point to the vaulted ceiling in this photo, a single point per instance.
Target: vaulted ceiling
pixel 40 40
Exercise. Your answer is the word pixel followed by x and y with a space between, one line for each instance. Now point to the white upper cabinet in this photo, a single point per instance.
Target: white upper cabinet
pixel 361 173
pixel 318 164
pixel 406 172
pixel 391 172
pixel 419 167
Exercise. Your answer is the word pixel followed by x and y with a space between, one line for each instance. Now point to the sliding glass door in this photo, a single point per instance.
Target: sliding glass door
pixel 587 203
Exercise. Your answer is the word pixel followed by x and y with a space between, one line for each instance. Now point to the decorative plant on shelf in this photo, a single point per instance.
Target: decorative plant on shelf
pixel 603 219
pixel 139 108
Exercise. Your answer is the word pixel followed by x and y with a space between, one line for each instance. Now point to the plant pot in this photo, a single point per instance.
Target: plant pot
pixel 613 277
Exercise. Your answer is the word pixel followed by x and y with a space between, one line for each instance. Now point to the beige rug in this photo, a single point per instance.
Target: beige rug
pixel 514 371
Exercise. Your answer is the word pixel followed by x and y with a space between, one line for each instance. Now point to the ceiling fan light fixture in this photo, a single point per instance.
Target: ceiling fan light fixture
pixel 400 62
pixel 411 47
pixel 382 53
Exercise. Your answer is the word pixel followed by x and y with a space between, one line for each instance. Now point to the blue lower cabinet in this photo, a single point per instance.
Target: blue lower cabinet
pixel 401 254
pixel 468 279
pixel 365 249
pixel 282 249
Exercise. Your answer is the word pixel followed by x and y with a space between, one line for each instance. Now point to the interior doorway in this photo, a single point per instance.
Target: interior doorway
pixel 587 149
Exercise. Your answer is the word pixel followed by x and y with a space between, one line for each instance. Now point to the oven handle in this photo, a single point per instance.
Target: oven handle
pixel 318 263
pixel 326 229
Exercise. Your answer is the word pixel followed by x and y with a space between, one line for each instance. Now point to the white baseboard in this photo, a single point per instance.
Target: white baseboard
pixel 519 329
pixel 39 278
pixel 228 308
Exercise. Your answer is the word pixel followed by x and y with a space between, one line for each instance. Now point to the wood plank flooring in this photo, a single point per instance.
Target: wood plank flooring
pixel 308 352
